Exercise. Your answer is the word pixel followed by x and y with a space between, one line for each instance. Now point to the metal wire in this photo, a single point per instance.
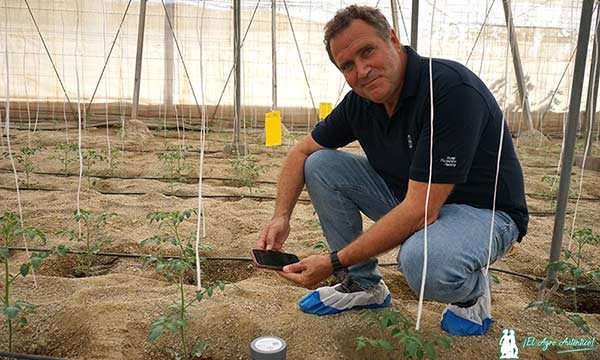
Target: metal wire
pixel 50 58
pixel 108 57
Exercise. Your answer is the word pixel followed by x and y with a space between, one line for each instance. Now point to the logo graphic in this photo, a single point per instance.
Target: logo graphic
pixel 508 345
pixel 449 161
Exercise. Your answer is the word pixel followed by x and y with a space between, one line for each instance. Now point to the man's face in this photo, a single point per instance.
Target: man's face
pixel 372 66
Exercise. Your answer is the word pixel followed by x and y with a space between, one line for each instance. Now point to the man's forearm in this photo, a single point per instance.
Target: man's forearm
pixel 399 224
pixel 387 233
pixel 290 184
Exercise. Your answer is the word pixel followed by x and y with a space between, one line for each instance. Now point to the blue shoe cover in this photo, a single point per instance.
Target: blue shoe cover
pixel 326 300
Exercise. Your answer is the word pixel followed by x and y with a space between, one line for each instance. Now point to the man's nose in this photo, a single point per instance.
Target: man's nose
pixel 363 69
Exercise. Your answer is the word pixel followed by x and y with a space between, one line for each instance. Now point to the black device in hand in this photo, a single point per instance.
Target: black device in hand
pixel 273 260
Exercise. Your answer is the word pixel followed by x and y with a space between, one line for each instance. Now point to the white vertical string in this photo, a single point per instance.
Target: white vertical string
pixel 62 20
pixel 506 106
pixel 26 92
pixel 78 120
pixel 7 124
pixel 424 271
pixel 106 85
pixel 200 219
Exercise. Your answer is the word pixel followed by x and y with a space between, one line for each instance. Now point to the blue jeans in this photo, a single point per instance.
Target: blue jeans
pixel 342 185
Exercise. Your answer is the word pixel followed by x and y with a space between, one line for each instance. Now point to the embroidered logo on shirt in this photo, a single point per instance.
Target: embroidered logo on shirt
pixel 449 161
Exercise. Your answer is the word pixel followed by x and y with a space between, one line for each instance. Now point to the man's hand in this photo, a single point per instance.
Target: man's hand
pixel 310 271
pixel 274 234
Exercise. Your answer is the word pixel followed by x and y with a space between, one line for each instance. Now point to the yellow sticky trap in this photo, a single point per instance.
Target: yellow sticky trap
pixel 324 110
pixel 273 128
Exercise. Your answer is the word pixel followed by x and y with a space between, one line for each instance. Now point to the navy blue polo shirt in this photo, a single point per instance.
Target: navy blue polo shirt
pixel 466 139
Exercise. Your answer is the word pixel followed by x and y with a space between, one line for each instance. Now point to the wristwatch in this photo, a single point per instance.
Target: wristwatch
pixel 339 270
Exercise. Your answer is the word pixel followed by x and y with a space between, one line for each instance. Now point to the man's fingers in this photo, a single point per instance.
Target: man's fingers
pixel 294 268
pixel 262 237
pixel 269 238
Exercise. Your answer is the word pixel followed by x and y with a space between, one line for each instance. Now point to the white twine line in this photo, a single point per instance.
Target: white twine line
pixel 200 219
pixel 424 272
pixel 10 155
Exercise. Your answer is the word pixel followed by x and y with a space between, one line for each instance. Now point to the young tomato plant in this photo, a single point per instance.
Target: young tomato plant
pixel 578 276
pixel 397 339
pixel 113 161
pixel 92 236
pixel 25 158
pixel 66 154
pixel 89 160
pixel 175 269
pixel 18 310
pixel 173 159
pixel 550 309
pixel 246 171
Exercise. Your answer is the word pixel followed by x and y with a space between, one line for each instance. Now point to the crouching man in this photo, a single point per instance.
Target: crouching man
pixel 388 112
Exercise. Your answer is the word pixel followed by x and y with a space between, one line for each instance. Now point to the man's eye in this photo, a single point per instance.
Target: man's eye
pixel 368 51
pixel 346 67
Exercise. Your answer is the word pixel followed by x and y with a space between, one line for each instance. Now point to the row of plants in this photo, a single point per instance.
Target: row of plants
pixel 67 154
pixel 93 238
pixel 395 333
pixel 174 159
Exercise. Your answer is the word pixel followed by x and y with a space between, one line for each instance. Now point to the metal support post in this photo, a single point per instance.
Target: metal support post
pixel 274 51
pixel 414 24
pixel 138 59
pixel 237 76
pixel 514 47
pixel 592 94
pixel 569 143
pixel 394 8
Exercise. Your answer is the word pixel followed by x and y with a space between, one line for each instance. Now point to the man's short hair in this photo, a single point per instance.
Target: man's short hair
pixel 344 17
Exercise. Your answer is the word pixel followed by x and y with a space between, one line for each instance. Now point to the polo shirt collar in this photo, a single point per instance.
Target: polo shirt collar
pixel 412 74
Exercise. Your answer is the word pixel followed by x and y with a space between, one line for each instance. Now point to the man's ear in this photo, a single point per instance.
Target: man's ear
pixel 395 40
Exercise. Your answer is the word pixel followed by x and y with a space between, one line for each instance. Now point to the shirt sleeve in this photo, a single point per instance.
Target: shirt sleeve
pixel 335 130
pixel 460 115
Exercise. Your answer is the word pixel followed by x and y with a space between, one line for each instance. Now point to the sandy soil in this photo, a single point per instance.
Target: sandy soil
pixel 108 315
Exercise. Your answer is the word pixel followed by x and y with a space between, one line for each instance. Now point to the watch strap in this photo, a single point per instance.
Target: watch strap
pixel 338 269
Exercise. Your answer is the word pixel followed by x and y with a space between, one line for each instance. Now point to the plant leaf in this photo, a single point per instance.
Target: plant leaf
pixel 25 269
pixel 155 333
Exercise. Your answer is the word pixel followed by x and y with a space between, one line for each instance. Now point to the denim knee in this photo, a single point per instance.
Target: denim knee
pixel 316 165
pixel 445 283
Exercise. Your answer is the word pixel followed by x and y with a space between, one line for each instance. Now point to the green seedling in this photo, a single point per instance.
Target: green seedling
pixel 173 159
pixel 552 191
pixel 175 269
pixel 91 235
pixel 89 160
pixel 577 275
pixel 16 312
pixel 113 161
pixel 550 309
pixel 25 158
pixel 321 245
pixel 246 171
pixel 66 154
pixel 397 337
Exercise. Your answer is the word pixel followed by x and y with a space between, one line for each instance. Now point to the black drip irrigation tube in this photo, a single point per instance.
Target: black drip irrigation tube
pixel 245 259
pixel 124 255
pixel 190 178
pixel 181 196
pixel 10 355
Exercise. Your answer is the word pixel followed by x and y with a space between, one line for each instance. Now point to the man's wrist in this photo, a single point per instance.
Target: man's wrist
pixel 339 270
pixel 282 215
